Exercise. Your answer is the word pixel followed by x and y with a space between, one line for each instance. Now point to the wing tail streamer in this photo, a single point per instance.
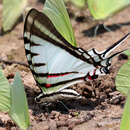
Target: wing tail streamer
pixel 114 46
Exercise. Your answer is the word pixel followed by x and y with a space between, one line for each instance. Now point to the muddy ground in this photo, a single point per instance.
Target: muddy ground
pixel 102 106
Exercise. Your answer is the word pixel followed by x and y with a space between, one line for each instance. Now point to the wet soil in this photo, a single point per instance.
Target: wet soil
pixel 102 105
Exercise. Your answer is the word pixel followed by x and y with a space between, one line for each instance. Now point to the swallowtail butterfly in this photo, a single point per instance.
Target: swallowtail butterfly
pixel 55 63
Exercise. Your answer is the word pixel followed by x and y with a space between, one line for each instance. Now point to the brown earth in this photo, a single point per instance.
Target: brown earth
pixel 102 106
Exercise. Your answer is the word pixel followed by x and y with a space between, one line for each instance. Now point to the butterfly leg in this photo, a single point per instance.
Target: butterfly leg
pixel 64 105
pixel 96 30
pixel 101 26
pixel 107 29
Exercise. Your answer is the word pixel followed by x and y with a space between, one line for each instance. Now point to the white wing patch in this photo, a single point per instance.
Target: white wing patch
pixel 58 60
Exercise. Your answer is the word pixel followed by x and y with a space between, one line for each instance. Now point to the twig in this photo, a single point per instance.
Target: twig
pixel 14 62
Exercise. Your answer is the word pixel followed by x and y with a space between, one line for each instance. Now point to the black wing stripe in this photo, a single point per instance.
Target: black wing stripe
pixel 38 64
pixel 27 51
pixel 26 40
pixel 34 44
pixel 45 21
pixel 52 74
pixel 39 74
pixel 34 54
pixel 29 62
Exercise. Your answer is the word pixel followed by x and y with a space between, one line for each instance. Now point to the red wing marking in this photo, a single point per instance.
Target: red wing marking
pixel 89 77
pixel 58 75
pixel 61 82
pixel 48 85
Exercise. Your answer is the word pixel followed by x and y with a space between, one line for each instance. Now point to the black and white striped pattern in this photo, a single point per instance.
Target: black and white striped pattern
pixel 54 62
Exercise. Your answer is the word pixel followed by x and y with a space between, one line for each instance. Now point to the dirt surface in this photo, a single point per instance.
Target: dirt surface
pixel 102 106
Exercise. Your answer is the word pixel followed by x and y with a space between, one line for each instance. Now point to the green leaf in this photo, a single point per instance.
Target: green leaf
pixel 12 9
pixel 56 11
pixel 127 52
pixel 125 122
pixel 4 93
pixel 19 107
pixel 101 9
pixel 123 78
pixel 79 3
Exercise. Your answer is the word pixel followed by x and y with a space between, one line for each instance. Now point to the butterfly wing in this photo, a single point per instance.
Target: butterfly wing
pixel 54 62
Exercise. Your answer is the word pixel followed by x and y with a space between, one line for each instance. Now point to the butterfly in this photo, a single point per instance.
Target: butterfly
pixel 56 64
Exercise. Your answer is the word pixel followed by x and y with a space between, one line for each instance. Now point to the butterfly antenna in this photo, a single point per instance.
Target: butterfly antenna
pixel 114 46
